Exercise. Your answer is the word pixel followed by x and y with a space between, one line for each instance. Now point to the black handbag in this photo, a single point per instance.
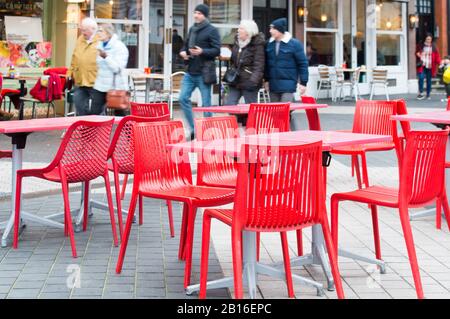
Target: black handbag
pixel 231 76
pixel 209 72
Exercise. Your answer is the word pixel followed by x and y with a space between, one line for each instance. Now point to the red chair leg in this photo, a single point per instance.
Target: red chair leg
pixel 17 211
pixel 86 205
pixel 300 242
pixel 206 234
pixel 141 211
pixel 407 232
pixel 189 245
pixel 126 233
pixel 65 190
pixel 111 209
pixel 236 244
pixel 358 172
pixel 170 213
pixel 376 231
pixel 118 202
pixel 439 214
pixel 183 233
pixel 287 264
pixel 446 209
pixel 258 246
pixel 364 169
pixel 332 254
pixel 334 222
pixel 124 187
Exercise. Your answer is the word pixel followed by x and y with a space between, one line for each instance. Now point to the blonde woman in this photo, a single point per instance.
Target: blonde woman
pixel 248 57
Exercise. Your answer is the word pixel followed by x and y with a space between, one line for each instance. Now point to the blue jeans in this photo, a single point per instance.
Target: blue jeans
pixel 190 83
pixel 426 74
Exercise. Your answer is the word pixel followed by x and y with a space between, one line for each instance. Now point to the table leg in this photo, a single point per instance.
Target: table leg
pixel 251 269
pixel 147 90
pixel 22 103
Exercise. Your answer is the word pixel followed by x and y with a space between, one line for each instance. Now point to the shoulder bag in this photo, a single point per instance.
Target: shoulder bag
pixel 117 99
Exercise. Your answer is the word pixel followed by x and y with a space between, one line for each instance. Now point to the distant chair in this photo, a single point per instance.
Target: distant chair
pixel 263 96
pixel 352 84
pixel 325 81
pixel 138 85
pixel 379 78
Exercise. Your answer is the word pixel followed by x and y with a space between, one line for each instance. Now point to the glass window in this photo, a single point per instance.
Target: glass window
pixel 224 11
pixel 389 16
pixel 388 49
pixel 321 48
pixel 23 8
pixel 129 35
pixel 118 9
pixel 322 14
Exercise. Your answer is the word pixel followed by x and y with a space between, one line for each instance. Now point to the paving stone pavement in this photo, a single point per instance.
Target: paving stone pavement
pixel 42 267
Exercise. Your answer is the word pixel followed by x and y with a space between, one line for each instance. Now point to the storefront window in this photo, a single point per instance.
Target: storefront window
pixel 321 48
pixel 129 35
pixel 388 49
pixel 389 16
pixel 225 11
pixel 118 9
pixel 322 14
pixel 23 8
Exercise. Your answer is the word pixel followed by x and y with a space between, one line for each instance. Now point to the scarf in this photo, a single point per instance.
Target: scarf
pixel 194 32
pixel 243 44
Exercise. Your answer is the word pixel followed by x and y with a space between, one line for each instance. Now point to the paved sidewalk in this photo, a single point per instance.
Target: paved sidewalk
pixel 43 265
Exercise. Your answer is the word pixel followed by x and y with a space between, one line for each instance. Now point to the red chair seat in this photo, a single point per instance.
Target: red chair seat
pixel 223 180
pixel 7 92
pixel 5 154
pixel 224 215
pixel 376 147
pixel 376 195
pixel 197 194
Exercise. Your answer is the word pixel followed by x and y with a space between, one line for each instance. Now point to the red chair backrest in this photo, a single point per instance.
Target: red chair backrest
pixel 83 153
pixel 279 188
pixel 151 110
pixel 448 104
pixel 374 117
pixel 308 99
pixel 210 129
pixel 402 110
pixel 154 163
pixel 59 71
pixel 268 118
pixel 121 149
pixel 423 174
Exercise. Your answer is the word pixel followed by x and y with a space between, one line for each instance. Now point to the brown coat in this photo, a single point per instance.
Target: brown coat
pixel 83 68
pixel 251 63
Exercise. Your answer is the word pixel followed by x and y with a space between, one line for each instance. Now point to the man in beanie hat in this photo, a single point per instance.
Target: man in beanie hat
pixel 201 49
pixel 286 64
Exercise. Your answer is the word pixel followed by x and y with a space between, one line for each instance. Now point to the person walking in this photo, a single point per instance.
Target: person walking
pixel 248 58
pixel 112 60
pixel 286 64
pixel 201 49
pixel 428 61
pixel 83 69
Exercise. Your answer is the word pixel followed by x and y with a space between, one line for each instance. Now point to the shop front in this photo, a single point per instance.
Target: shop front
pixel 358 33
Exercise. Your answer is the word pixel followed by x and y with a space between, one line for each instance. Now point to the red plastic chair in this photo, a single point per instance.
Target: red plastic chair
pixel 372 117
pixel 161 174
pixel 81 158
pixel 279 189
pixel 121 153
pixel 151 110
pixel 312 115
pixel 422 182
pixel 216 171
pixel 268 118
pixel 5 154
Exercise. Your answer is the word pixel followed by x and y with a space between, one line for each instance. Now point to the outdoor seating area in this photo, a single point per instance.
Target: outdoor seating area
pixel 256 181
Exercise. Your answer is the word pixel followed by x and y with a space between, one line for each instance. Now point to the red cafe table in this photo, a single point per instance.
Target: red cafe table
pixel 232 147
pixel 440 120
pixel 242 109
pixel 18 131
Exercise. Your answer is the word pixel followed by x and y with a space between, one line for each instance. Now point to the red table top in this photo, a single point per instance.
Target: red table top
pixel 244 108
pixel 50 124
pixel 442 117
pixel 331 139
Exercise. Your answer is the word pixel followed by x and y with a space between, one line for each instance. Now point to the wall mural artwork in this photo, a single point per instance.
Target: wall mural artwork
pixel 29 55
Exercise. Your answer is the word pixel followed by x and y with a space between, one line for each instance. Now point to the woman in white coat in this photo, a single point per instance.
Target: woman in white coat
pixel 112 61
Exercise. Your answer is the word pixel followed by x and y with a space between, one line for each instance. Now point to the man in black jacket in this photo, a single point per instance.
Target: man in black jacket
pixel 200 51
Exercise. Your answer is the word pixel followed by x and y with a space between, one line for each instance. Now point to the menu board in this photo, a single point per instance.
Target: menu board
pixel 23 29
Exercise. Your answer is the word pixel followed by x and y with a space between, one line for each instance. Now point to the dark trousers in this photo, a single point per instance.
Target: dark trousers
pixel 235 94
pixel 425 75
pixel 89 101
